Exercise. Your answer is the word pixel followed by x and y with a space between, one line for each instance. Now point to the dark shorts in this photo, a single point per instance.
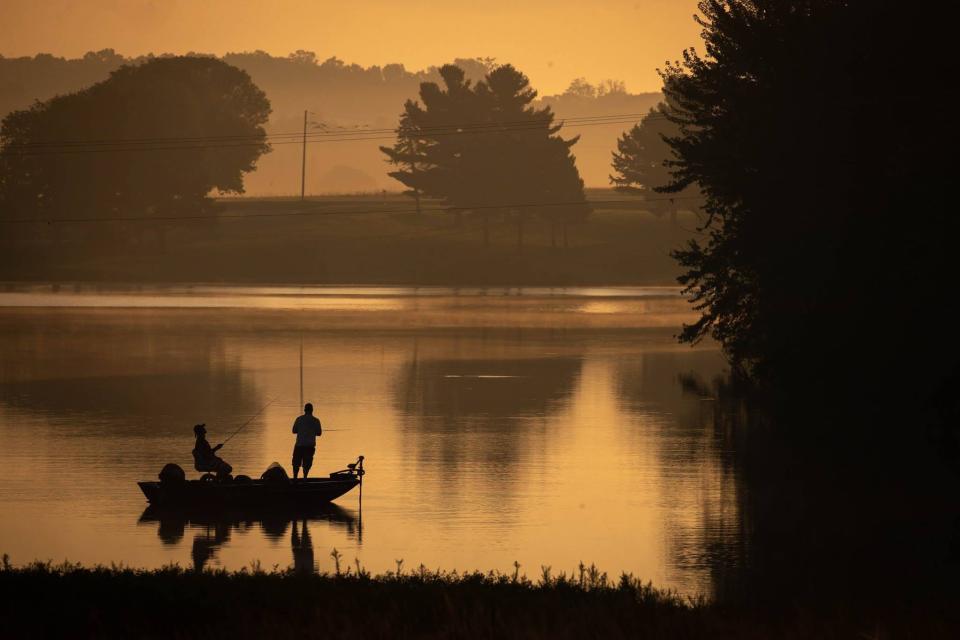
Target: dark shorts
pixel 303 456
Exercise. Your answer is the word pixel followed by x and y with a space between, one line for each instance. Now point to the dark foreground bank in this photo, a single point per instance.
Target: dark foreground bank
pixel 42 600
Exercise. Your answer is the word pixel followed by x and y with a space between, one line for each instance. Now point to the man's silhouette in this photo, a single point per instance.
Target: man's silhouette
pixel 307 428
pixel 302 548
pixel 204 456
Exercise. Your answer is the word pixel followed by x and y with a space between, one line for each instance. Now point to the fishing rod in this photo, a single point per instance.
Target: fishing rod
pixel 249 420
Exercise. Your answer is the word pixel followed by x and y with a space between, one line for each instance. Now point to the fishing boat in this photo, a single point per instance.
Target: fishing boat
pixel 274 489
pixel 245 492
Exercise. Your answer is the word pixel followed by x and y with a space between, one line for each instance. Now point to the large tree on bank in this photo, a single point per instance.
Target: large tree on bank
pixel 809 128
pixel 154 137
pixel 483 148
pixel 817 132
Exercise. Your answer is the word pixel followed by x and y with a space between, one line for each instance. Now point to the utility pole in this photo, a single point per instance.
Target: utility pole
pixel 303 164
pixel 413 170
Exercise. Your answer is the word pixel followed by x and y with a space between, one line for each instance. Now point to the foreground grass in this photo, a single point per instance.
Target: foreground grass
pixel 68 600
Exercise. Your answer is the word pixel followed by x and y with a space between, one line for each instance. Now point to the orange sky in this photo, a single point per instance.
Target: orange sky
pixel 551 41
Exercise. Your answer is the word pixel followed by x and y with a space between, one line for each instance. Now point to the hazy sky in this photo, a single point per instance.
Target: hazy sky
pixel 551 41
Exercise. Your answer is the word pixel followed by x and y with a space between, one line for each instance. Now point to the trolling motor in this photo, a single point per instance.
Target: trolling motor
pixel 353 470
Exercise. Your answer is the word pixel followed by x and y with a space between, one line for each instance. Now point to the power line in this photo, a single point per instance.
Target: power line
pixel 177 144
pixel 288 214
pixel 319 134
pixel 343 131
pixel 282 142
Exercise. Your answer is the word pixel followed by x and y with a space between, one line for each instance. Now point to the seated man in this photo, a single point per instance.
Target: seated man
pixel 203 455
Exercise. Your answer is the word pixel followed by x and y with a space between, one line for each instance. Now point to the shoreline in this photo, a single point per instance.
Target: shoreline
pixel 326 241
pixel 171 601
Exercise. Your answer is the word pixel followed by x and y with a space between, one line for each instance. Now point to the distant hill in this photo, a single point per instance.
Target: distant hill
pixel 338 95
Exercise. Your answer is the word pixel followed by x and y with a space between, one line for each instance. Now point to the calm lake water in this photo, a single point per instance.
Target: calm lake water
pixel 544 426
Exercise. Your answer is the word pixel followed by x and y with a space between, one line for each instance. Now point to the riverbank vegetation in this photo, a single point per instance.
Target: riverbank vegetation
pixel 829 210
pixel 363 239
pixel 350 603
pixel 823 273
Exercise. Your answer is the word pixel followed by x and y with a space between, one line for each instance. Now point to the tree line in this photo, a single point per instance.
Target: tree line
pixel 157 138
pixel 338 94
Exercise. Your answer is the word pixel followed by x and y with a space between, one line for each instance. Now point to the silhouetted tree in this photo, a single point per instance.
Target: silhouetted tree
pixel 431 139
pixel 812 173
pixel 341 94
pixel 580 88
pixel 153 138
pixel 611 87
pixel 484 147
pixel 826 270
pixel 405 156
pixel 642 159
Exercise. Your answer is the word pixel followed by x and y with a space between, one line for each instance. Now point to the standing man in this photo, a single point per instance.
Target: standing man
pixel 307 428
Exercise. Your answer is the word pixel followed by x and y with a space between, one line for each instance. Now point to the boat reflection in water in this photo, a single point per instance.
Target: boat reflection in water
pixel 214 528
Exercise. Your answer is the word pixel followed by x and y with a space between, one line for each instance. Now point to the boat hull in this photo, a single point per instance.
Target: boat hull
pixel 312 491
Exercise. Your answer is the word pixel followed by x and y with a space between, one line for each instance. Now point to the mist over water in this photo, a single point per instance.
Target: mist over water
pixel 540 426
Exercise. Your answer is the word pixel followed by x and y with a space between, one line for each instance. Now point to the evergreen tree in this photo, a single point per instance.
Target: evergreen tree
pixel 484 148
pixel 405 155
pixel 642 161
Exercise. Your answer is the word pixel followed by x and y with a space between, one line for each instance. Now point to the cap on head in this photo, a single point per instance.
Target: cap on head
pixel 308 408
pixel 199 429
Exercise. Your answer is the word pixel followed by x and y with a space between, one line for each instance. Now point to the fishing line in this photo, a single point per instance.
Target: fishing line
pixel 250 419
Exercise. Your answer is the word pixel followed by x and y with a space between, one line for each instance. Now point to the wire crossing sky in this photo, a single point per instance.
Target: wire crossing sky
pixel 211 142
pixel 552 41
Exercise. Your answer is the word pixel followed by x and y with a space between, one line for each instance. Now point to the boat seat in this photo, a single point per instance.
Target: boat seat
pixel 210 465
pixel 199 464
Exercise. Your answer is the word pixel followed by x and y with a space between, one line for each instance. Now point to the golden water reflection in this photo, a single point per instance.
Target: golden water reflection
pixel 212 530
pixel 485 444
